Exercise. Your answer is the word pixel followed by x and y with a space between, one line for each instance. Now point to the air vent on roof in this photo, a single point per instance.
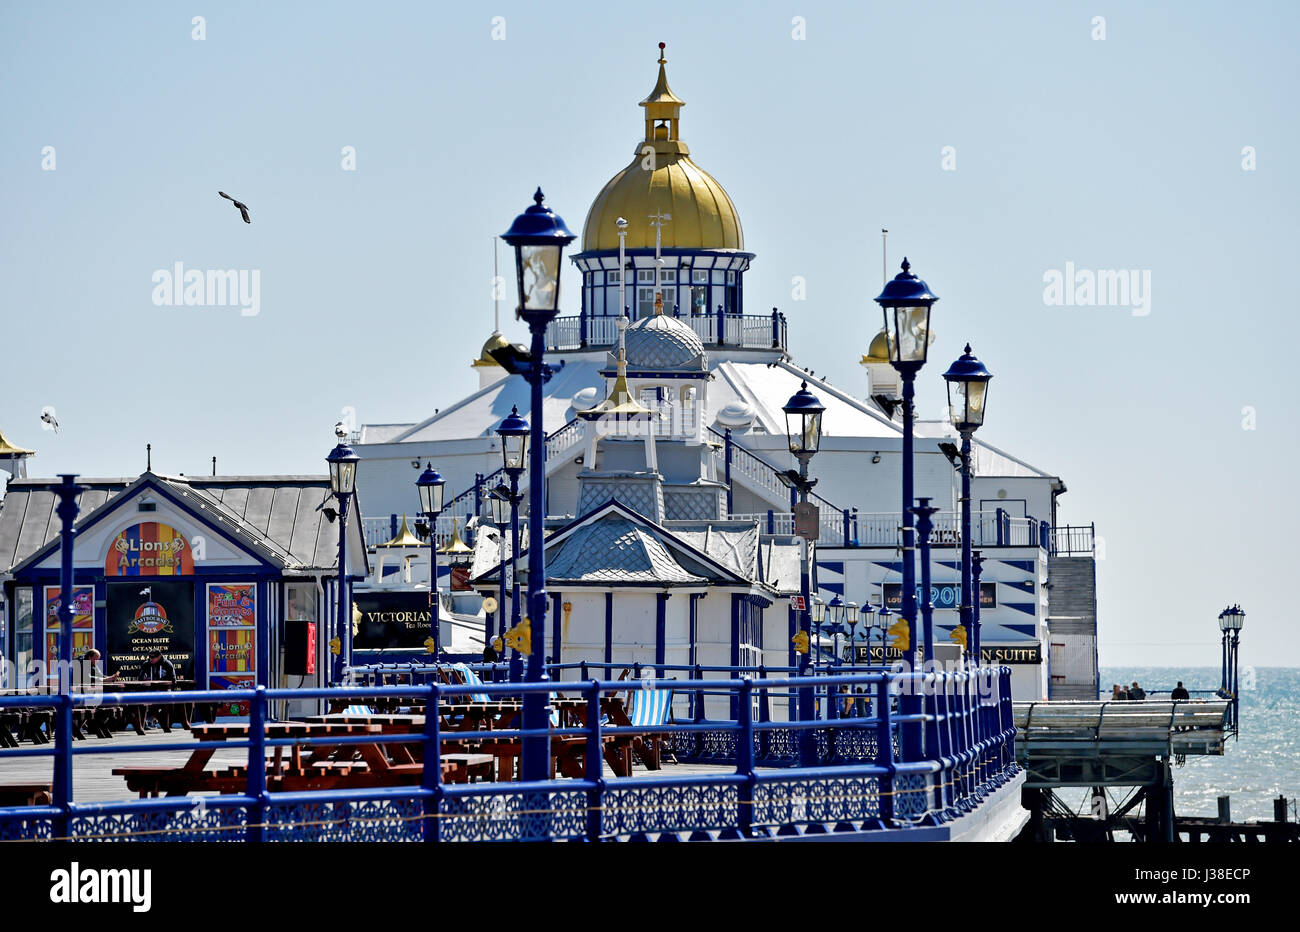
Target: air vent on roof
pixel 147 506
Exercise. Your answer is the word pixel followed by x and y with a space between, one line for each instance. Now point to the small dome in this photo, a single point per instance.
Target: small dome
pixel 662 342
pixel 879 349
pixel 496 341
pixel 585 398
pixel 737 414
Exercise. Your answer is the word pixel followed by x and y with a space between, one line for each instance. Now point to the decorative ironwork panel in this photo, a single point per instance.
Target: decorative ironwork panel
pixel 911 795
pixel 795 801
pixel 196 823
pixel 366 820
pixel 515 817
pixel 666 808
pixel 26 829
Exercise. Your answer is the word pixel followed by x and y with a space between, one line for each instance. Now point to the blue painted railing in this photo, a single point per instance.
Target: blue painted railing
pixel 967 720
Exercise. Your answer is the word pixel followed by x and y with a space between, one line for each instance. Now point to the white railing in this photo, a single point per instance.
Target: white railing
pixel 881 529
pixel 751 331
pixel 830 526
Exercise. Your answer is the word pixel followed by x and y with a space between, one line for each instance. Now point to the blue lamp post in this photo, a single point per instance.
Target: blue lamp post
pixel 906 302
pixel 513 431
pixel 538 236
pixel 968 386
pixel 431 486
pixel 343 482
pixel 803 428
pixel 67 510
pixel 1231 620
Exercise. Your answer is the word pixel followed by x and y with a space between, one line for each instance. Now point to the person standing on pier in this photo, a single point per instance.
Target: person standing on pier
pixel 1136 692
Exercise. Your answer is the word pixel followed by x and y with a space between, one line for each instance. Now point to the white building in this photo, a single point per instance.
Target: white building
pixel 699 503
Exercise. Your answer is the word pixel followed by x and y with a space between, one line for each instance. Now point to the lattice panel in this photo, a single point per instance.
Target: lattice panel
pixel 653 808
pixel 838 799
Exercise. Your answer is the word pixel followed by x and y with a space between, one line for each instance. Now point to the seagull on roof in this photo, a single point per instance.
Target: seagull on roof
pixel 243 208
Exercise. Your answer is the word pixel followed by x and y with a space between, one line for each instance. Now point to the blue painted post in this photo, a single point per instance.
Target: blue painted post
pixel 435 603
pixel 392 526
pixel 977 570
pixel 478 494
pixel 62 789
pixel 698 673
pixel 924 526
pixel 884 750
pixel 722 331
pixel 582 325
pixel 609 630
pixel 343 614
pixel 745 757
pixel 967 579
pixel 516 662
pixel 255 785
pixel 557 613
pixel 431 776
pixel 776 328
pixel 661 633
pixel 592 769
pixel 910 743
pixel 857 539
pixel 846 527
pixel 726 465
pixel 536 751
pixel 1001 517
pixel 771 527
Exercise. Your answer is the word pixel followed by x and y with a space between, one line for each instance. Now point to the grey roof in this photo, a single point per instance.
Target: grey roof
pixel 734 544
pixel 613 545
pixel 279 517
pixel 615 550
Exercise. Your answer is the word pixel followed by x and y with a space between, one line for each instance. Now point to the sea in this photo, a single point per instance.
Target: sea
pixel 1261 764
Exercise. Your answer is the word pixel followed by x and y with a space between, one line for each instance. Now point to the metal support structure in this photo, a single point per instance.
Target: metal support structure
pixel 434 600
pixel 516 662
pixel 911 703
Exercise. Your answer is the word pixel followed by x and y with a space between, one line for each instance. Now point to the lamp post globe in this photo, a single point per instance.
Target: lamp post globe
pixel 968 383
pixel 342 462
pixel 430 486
pixel 906 302
pixel 513 431
pixel 538 236
pixel 803 423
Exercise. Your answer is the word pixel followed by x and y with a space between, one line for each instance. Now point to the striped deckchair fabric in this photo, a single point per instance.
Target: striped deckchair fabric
pixel 470 678
pixel 650 707
pixel 358 710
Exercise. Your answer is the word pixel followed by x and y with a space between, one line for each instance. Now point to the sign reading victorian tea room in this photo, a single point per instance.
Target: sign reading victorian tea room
pixel 390 620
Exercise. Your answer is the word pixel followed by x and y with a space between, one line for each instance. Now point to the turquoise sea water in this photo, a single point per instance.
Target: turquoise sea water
pixel 1262 764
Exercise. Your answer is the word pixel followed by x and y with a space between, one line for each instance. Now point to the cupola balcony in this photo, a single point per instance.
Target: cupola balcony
pixel 718 329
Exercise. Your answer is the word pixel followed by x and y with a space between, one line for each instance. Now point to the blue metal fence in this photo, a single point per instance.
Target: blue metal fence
pixel 860 782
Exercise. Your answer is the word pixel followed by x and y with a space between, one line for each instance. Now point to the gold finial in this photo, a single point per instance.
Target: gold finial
pixel 659 303
pixel 663 59
pixel 404 538
pixel 456 545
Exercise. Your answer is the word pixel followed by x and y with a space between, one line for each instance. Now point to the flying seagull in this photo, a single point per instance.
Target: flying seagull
pixel 49 418
pixel 243 208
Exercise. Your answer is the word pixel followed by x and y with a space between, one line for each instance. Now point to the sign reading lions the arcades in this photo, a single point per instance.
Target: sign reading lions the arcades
pixel 390 620
pixel 149 549
pixel 159 616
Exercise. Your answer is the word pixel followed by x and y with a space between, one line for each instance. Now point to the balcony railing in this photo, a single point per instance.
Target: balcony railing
pixel 988 529
pixel 1073 541
pixel 745 331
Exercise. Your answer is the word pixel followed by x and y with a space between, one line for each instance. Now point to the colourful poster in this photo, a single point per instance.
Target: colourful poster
pixel 149 549
pixel 230 650
pixel 232 640
pixel 83 621
pixel 232 606
pixel 232 681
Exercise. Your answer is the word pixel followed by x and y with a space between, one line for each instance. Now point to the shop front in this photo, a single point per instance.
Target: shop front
pixel 207 572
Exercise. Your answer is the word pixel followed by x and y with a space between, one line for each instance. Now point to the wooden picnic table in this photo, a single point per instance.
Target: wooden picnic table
pixel 314 766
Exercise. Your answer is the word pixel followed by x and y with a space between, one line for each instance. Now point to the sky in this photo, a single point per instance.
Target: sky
pixel 1000 143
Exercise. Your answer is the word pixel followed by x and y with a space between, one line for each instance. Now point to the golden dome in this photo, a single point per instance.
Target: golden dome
pixel 703 216
pixel 496 341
